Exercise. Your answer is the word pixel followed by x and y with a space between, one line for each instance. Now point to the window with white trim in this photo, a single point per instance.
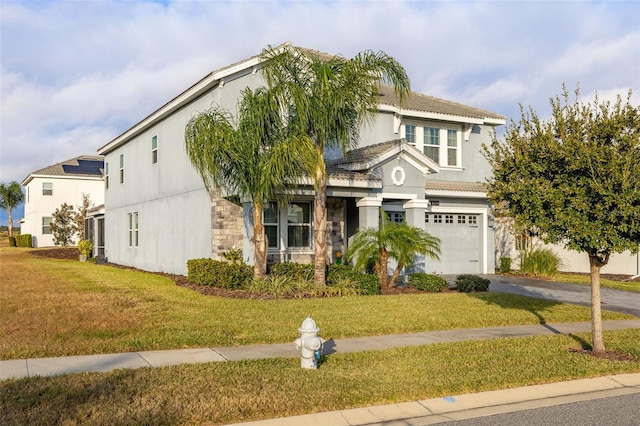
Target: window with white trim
pixel 133 229
pixel 46 225
pixel 299 225
pixel 452 147
pixel 121 168
pixel 47 188
pixel 106 175
pixel 270 222
pixel 431 143
pixel 154 149
pixel 410 134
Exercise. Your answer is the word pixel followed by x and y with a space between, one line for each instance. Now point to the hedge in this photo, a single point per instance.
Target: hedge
pixel 218 274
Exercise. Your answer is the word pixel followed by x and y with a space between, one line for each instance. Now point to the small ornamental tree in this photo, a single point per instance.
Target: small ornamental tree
pixel 63 225
pixel 574 180
pixel 81 215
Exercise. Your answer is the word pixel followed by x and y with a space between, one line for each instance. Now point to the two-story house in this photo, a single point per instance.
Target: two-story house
pixel 421 163
pixel 48 188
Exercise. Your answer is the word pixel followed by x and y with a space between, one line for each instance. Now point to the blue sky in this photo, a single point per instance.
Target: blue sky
pixel 75 74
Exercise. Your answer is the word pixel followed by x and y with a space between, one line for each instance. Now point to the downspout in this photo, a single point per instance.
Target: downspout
pixel 637 269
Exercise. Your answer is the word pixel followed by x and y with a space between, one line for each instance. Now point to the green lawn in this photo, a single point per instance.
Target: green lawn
pixel 53 308
pixel 605 283
pixel 225 392
pixel 56 308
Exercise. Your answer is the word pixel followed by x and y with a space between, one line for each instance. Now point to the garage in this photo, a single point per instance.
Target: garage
pixel 460 243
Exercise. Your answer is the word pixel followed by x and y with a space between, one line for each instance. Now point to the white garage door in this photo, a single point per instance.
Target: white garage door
pixel 460 243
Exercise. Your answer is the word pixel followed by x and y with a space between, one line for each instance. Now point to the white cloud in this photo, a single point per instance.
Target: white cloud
pixel 76 74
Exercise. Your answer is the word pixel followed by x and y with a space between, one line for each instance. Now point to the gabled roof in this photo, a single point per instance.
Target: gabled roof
pixel 85 166
pixel 433 107
pixel 365 158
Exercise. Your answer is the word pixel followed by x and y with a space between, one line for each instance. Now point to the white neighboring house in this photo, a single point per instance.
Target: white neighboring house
pixel 48 188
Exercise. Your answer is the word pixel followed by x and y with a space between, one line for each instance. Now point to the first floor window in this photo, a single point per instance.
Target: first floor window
pixel 133 229
pixel 396 217
pixel 270 221
pixel 46 225
pixel 299 224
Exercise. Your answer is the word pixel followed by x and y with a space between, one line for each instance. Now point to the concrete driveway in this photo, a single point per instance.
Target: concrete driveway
pixel 613 300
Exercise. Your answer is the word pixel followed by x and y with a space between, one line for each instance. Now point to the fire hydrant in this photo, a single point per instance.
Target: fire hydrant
pixel 309 344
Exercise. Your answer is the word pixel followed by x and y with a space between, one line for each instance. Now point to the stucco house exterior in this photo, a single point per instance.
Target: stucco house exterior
pixel 421 163
pixel 65 182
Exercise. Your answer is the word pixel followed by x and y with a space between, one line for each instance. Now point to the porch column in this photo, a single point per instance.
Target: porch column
pixel 414 216
pixel 368 212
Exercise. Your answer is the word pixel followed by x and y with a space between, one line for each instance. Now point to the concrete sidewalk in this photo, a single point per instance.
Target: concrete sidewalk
pixel 13 369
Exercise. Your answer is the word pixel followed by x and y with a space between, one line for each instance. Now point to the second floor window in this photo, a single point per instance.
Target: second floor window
pixel 154 149
pixel 47 188
pixel 106 175
pixel 431 143
pixel 121 168
pixel 410 133
pixel 452 148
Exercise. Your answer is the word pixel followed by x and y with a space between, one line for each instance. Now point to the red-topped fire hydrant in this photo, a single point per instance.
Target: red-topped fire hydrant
pixel 309 344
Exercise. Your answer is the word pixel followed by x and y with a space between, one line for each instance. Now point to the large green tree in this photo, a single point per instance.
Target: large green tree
pixel 391 240
pixel 574 180
pixel 255 156
pixel 11 196
pixel 330 97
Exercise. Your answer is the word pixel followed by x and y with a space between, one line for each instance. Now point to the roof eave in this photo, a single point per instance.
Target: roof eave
pixel 441 117
pixel 194 92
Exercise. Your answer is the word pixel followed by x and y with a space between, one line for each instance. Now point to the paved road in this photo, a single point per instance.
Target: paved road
pixel 618 410
pixel 612 300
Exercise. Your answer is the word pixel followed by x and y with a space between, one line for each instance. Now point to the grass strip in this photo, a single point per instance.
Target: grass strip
pixel 633 286
pixel 218 393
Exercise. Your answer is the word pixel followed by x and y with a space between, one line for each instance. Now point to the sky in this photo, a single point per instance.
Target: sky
pixel 76 74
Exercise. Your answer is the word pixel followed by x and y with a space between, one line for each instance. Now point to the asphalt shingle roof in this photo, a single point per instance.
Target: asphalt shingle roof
pixel 444 185
pixel 84 165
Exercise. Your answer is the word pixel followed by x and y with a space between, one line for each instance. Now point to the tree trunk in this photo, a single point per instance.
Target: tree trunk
pixel 10 217
pixel 595 263
pixel 320 226
pixel 395 275
pixel 259 243
pixel 384 264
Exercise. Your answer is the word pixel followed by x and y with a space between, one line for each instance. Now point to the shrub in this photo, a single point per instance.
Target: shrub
pixel 85 247
pixel 427 282
pixel 218 274
pixel 369 284
pixel 24 240
pixel 540 262
pixel 12 242
pixel 467 283
pixel 233 256
pixel 505 265
pixel 298 271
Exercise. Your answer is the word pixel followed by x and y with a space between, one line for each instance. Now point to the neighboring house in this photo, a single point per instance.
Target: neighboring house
pixel 48 188
pixel 421 163
pixel 511 244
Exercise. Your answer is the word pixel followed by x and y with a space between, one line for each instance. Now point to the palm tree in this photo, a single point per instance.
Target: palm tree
pixel 255 159
pixel 391 241
pixel 11 196
pixel 331 97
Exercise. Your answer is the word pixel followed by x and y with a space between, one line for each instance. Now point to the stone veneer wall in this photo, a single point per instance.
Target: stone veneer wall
pixel 226 226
